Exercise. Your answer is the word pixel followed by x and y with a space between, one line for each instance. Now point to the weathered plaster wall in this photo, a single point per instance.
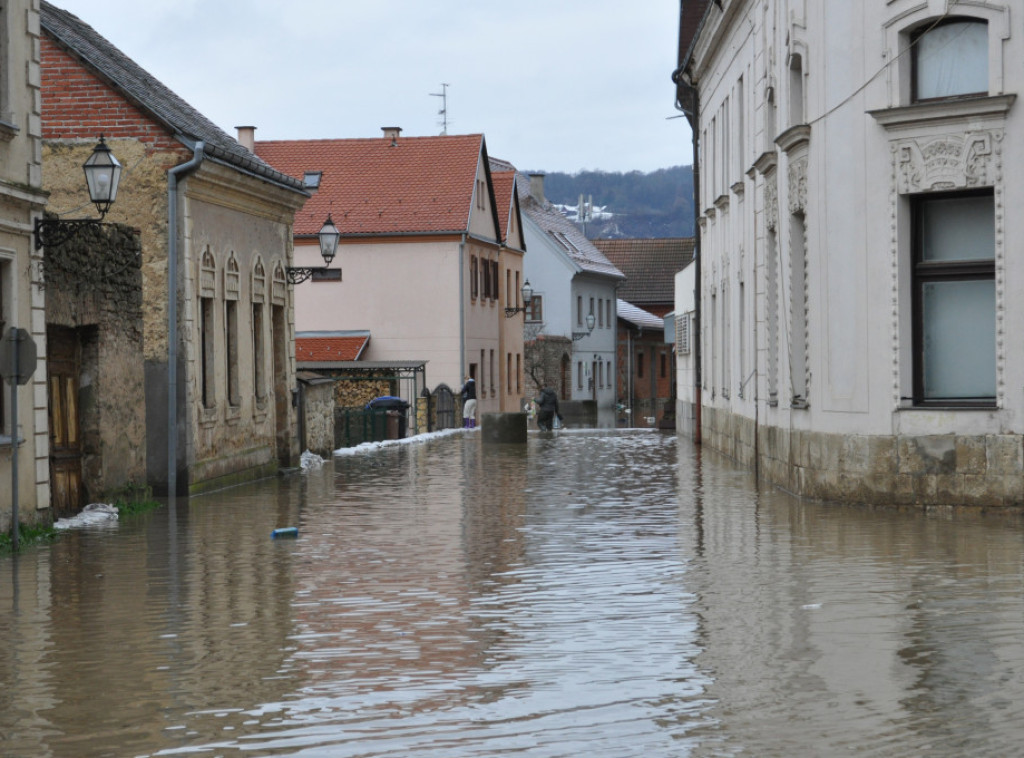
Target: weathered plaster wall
pixel 94 287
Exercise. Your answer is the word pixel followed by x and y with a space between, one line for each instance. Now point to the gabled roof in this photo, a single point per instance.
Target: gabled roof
pixel 504 198
pixel 638 317
pixel 144 90
pixel 378 186
pixel 321 347
pixel 564 234
pixel 650 265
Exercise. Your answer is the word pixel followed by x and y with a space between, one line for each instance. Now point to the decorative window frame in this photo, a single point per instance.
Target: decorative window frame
pixel 941 146
pixel 258 279
pixel 908 16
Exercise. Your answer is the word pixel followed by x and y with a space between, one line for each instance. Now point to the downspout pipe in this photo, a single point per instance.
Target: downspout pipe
pixel 463 366
pixel 174 175
pixel 689 104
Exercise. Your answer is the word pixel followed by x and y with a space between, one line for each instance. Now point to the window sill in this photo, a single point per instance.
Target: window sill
pixel 953 109
pixel 909 405
pixel 8 131
pixel 6 441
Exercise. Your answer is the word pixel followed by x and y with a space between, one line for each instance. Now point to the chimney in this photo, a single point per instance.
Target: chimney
pixel 537 187
pixel 391 133
pixel 247 137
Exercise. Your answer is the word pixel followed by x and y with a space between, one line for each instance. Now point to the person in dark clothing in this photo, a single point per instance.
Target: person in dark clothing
pixel 469 403
pixel 547 409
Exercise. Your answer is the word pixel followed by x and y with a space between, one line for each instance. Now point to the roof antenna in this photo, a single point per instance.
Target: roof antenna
pixel 443 113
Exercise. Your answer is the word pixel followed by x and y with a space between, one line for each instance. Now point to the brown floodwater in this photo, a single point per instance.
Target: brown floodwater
pixel 601 593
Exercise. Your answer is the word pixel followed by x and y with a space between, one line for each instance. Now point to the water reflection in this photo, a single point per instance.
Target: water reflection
pixel 613 593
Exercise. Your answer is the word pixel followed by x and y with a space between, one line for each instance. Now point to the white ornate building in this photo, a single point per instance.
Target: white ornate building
pixel 858 281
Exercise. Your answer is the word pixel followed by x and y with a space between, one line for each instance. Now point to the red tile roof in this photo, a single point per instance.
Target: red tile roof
pixel 650 266
pixel 421 184
pixel 329 349
pixel 504 184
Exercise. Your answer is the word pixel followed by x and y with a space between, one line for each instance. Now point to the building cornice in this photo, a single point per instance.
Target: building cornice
pixel 943 111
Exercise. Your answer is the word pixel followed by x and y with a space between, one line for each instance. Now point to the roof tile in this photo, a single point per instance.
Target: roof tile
pixel 371 187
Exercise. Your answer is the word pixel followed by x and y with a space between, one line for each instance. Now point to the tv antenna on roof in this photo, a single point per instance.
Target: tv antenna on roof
pixel 443 113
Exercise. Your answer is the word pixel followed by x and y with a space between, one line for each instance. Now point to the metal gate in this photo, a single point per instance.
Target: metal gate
pixel 445 405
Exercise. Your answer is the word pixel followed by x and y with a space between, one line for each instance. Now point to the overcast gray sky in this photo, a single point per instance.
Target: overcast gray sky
pixel 555 85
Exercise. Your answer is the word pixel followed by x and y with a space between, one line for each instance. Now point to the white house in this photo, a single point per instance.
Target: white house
pixel 574 299
pixel 856 291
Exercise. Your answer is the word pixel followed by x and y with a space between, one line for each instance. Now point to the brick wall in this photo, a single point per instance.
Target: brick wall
pixel 78 105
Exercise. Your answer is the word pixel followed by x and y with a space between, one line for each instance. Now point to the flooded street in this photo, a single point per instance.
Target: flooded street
pixel 599 593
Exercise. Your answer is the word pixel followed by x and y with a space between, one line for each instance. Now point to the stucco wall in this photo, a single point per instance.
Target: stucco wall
pixel 21 200
pixel 806 238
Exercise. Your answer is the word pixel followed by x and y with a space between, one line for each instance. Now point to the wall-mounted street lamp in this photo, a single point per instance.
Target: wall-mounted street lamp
pixel 576 336
pixel 527 293
pixel 102 176
pixel 328 236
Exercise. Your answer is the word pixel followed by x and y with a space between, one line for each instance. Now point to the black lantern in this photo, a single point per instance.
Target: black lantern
pixel 328 237
pixel 526 291
pixel 102 177
pixel 590 321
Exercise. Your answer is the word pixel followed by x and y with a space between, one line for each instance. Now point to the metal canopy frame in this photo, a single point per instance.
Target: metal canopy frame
pixel 409 375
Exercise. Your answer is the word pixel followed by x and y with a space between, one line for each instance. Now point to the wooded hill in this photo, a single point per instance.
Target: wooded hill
pixel 655 204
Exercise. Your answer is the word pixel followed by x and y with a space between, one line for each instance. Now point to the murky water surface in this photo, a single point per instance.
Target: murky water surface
pixel 596 593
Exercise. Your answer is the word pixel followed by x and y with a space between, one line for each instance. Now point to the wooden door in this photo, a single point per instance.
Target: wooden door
pixel 65 437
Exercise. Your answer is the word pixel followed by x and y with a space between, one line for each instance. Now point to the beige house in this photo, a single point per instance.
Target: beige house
pixel 428 261
pixel 21 298
pixel 213 219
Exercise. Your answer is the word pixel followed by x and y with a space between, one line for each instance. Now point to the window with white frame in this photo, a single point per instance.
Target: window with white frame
pixel 954 298
pixel 6 317
pixel 950 59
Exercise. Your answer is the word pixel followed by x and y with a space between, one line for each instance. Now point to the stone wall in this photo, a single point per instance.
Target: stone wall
pixel 318 422
pixel 94 293
pixel 927 470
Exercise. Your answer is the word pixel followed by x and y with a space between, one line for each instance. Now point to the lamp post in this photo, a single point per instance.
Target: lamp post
pixel 526 291
pixel 576 336
pixel 328 237
pixel 102 177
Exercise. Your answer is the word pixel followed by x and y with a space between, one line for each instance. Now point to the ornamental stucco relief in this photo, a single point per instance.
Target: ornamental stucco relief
pixel 771 202
pixel 948 162
pixel 798 185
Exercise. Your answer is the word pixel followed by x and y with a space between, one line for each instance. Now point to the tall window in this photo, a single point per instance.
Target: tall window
pixel 535 311
pixel 259 358
pixel 6 299
pixel 491 369
pixel 231 348
pixel 772 304
pixel 481 389
pixel 954 299
pixel 798 309
pixel 600 313
pixel 579 309
pixel 608 313
pixel 951 60
pixel 209 357
pixel 579 374
pixel 473 281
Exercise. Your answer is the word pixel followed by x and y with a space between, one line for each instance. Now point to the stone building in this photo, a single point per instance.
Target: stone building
pixel 215 220
pixel 21 297
pixel 855 245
